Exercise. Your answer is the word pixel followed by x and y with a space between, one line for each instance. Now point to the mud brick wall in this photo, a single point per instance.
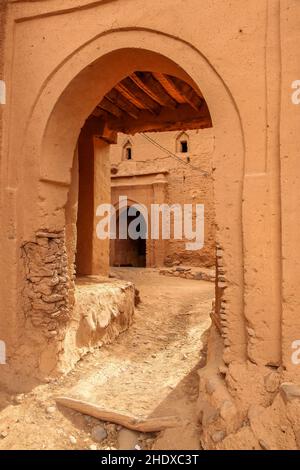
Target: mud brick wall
pixel 48 283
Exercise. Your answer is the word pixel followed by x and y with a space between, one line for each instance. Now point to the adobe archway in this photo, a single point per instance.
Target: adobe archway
pixel 68 97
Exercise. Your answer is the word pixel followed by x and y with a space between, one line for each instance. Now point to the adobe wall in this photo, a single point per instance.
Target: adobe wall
pixel 47 85
pixel 189 181
pixel 289 180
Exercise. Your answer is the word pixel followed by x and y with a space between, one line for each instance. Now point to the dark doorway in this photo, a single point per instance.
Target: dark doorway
pixel 130 252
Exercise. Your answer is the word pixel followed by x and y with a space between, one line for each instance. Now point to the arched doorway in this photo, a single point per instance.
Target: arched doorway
pixel 130 251
pixel 56 139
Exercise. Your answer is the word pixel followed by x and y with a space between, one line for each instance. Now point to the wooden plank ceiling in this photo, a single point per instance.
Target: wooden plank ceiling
pixel 147 101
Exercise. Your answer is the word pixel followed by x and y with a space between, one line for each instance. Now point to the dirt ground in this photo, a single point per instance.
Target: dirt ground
pixel 150 370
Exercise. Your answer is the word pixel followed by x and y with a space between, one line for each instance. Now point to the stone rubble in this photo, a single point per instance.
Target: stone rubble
pixel 47 282
pixel 198 274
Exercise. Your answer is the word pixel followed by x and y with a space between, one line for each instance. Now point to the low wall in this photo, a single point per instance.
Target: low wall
pixel 63 328
pixel 103 309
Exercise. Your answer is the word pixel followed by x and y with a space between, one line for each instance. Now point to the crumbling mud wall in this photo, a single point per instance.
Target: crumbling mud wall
pixel 65 320
pixel 244 406
pixel 254 403
pixel 48 285
pixel 47 303
pixel 102 310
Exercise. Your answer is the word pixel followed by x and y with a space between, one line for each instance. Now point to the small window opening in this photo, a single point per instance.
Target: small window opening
pixel 128 153
pixel 184 148
pixel 182 143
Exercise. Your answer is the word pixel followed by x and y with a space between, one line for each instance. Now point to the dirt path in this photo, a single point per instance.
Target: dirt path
pixel 150 370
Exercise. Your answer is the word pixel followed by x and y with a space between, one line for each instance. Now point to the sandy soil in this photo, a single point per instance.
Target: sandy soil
pixel 150 370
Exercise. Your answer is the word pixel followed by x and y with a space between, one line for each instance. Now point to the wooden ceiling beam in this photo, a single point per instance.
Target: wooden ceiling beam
pixel 137 97
pixel 181 91
pixel 111 108
pixel 187 92
pixel 98 112
pixel 147 83
pixel 101 114
pixel 128 97
pixel 169 87
pixel 118 100
pixel 150 101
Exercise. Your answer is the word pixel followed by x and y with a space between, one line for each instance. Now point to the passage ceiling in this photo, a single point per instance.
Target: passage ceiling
pixel 146 101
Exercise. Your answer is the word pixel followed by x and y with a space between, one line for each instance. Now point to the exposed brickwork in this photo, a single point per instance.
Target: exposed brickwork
pixel 47 282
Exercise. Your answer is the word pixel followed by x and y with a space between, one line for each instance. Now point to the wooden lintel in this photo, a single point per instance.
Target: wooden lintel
pixel 166 126
pixel 99 127
pixel 182 118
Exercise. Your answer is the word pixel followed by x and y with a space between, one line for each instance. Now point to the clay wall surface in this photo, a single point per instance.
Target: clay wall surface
pixel 290 175
pixel 189 180
pixel 61 58
pixel 52 91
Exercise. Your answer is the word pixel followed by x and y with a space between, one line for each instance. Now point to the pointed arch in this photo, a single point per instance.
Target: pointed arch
pixel 127 149
pixel 182 143
pixel 57 116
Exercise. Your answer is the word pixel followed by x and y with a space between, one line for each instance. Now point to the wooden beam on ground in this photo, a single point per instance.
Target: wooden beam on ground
pixel 146 82
pixel 129 422
pixel 118 100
